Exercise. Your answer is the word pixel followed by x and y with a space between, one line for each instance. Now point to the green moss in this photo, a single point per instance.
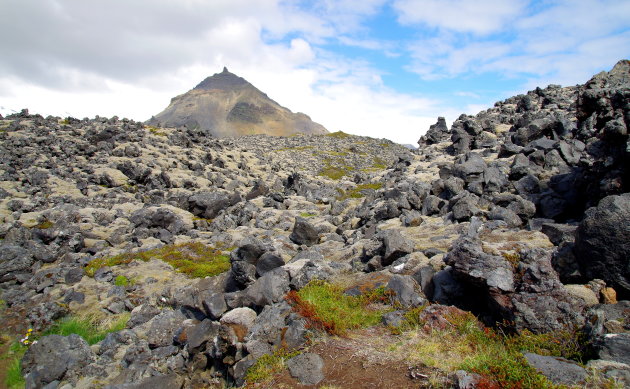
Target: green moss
pixel 339 135
pixel 307 214
pixel 379 163
pixel 46 224
pixel 155 131
pixel 328 309
pixel 357 192
pixel 334 172
pixel 268 365
pixel 193 259
pixel 123 281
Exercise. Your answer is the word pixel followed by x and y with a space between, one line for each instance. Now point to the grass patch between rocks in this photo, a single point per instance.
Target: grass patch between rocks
pixel 357 192
pixel 498 358
pixel 91 330
pixel 326 308
pixel 268 365
pixel 194 259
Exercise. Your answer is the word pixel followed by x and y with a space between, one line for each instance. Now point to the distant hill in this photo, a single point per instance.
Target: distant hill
pixel 226 105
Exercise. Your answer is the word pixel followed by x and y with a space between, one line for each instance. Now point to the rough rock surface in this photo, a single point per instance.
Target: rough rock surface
pixel 493 215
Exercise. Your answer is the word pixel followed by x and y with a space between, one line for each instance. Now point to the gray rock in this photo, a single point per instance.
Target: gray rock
pixel 558 370
pixel 304 232
pixel 307 368
pixel 240 370
pixel 52 357
pixel 268 325
pixel 614 347
pixel 465 380
pixel 269 288
pixel 393 319
pixel 208 204
pixel 203 332
pixel 405 293
pixel 602 243
pixel 506 215
pixel 170 381
pixel 14 259
pixel 309 271
pixel 396 246
pixel 559 233
pixel 214 306
pixel 243 272
pixel 163 328
pixel 267 262
pixel 142 314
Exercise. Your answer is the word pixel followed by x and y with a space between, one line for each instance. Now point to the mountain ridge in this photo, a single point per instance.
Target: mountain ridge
pixel 226 105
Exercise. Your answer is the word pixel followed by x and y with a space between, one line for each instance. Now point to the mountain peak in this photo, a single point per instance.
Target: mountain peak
pixel 223 81
pixel 225 105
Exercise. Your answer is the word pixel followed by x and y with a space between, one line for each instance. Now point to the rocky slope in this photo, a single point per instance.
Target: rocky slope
pixel 225 105
pixel 520 214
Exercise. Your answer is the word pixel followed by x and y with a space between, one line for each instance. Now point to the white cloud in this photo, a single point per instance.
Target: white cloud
pixel 479 16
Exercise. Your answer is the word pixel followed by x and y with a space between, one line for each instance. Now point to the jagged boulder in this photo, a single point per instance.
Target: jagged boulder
pixel 524 291
pixel 52 357
pixel 602 243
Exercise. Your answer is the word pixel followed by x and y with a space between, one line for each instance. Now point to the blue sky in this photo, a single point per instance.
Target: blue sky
pixel 382 68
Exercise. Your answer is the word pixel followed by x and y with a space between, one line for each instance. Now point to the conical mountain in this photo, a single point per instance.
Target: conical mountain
pixel 226 105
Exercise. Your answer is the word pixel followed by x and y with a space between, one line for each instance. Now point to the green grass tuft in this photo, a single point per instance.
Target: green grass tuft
pixel 326 308
pixel 268 365
pixel 307 214
pixel 193 259
pixel 466 344
pixel 122 281
pixel 89 330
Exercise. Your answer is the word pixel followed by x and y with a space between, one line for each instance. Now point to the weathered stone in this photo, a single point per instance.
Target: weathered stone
pixel 602 243
pixel 307 368
pixel 52 357
pixel 304 232
pixel 558 370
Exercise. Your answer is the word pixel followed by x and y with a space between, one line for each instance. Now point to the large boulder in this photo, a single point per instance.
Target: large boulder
pixel 52 357
pixel 602 243
pixel 523 290
pixel 304 232
pixel 208 204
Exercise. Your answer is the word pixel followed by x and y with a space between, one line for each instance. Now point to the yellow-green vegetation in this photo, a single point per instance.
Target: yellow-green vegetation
pixel 155 131
pixel 307 214
pixel 327 308
pixel 46 224
pixel 194 259
pixel 379 163
pixel 466 344
pixel 91 330
pixel 335 168
pixel 339 135
pixel 513 258
pixel 268 365
pixel 123 281
pixel 357 191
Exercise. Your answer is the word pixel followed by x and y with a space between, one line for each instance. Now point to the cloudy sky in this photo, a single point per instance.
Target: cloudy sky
pixel 383 68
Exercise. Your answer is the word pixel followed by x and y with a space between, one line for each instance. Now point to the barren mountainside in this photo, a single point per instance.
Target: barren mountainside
pixel 225 105
pixel 493 256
